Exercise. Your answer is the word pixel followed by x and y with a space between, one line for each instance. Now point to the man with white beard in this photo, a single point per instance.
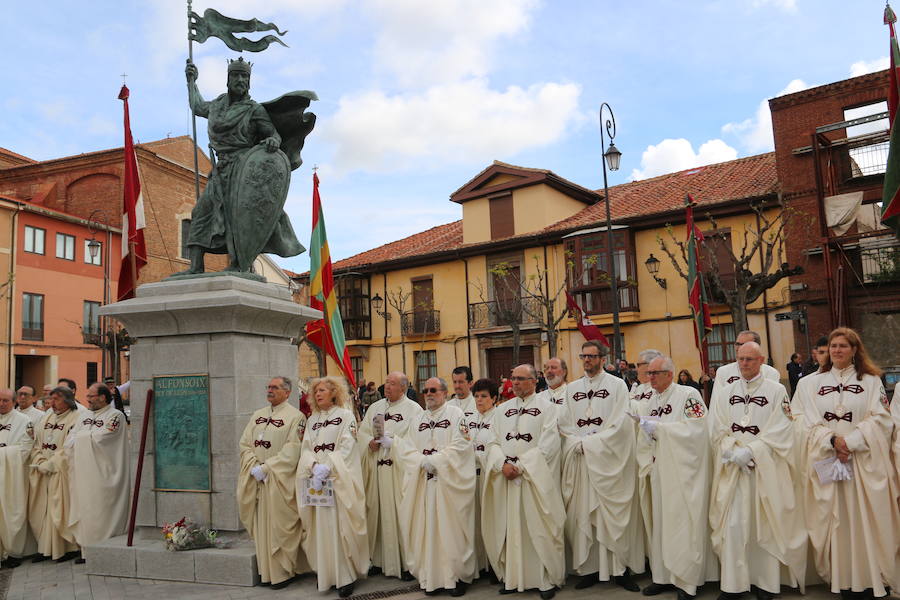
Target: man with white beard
pixel 757 526
pixel 16 440
pixel 437 513
pixel 555 372
pixel 641 391
pixel 673 477
pixel 462 388
pixel 523 514
pixel 386 419
pixel 599 476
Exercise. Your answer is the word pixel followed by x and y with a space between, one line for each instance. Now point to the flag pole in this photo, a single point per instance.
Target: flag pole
pixel 193 116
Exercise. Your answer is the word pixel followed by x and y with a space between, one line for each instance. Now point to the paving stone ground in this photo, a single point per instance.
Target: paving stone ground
pixel 68 581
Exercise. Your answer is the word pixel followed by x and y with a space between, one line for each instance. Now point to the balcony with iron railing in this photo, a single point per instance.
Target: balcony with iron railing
pixel 483 315
pixel 420 322
pixel 879 260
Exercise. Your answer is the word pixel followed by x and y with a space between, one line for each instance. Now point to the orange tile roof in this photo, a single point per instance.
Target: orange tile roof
pixel 750 177
pixel 436 239
pixel 14 157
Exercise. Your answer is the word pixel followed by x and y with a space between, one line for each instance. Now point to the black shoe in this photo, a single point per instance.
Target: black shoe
pixel 504 590
pixel 730 596
pixel 492 577
pixel 40 558
pixel 67 556
pixel 764 595
pixel 548 594
pixel 626 582
pixel 373 570
pixel 345 590
pixel 80 560
pixel 406 576
pixel 683 595
pixel 459 590
pixel 433 592
pixel 656 588
pixel 282 584
pixel 586 581
pixel 11 562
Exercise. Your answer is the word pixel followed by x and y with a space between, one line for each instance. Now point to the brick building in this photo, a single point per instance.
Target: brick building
pixel 831 145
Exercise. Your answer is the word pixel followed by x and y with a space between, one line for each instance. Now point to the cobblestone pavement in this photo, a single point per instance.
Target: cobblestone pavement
pixel 68 581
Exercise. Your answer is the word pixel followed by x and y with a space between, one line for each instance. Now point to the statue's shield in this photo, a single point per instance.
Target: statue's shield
pixel 258 191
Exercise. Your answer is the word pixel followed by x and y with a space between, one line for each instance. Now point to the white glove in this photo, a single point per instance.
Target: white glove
pixel 320 474
pixel 840 472
pixel 386 442
pixel 258 473
pixel 428 467
pixel 648 426
pixel 579 447
pixel 742 457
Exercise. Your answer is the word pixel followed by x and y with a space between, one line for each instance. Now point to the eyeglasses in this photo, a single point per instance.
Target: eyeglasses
pixel 642 364
pixel 652 373
pixel 431 390
pixel 517 378
pixel 586 356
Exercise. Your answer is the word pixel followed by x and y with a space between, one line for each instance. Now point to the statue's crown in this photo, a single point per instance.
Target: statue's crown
pixel 239 65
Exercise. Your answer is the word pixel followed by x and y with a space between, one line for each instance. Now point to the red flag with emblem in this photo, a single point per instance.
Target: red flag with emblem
pixel 585 326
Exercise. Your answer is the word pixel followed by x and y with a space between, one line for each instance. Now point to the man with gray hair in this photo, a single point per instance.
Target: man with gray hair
pixel 266 496
pixel 386 419
pixel 49 501
pixel 522 511
pixel 641 391
pixel 673 457
pixel 556 371
pixel 16 440
pixel 438 506
pixel 728 374
pixel 25 403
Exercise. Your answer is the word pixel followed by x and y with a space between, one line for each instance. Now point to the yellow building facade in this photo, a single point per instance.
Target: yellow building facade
pixel 446 296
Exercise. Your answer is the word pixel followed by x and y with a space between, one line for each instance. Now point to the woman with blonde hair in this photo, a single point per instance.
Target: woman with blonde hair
pixel 851 489
pixel 334 537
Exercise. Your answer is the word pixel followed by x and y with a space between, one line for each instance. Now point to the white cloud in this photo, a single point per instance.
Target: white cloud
pixel 869 66
pixel 785 5
pixel 463 122
pixel 671 155
pixel 424 43
pixel 755 133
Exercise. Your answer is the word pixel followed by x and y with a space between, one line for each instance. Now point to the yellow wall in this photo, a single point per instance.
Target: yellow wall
pixel 476 221
pixel 537 206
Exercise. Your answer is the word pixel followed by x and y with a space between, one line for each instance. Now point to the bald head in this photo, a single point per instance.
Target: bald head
pixel 750 359
pixel 6 401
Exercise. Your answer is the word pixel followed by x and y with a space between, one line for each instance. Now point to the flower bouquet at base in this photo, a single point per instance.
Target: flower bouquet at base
pixel 187 535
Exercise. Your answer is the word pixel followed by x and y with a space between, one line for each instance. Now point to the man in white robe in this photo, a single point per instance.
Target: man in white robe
pixel 641 390
pixel 99 471
pixel 673 476
pixel 16 440
pixel 728 374
pixel 49 491
pixel 462 388
pixel 266 487
pixel 756 519
pixel 599 476
pixel 555 372
pixel 522 510
pixel 25 403
pixel 385 420
pixel 438 507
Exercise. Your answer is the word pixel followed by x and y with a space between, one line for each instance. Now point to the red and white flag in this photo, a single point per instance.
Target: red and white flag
pixel 134 250
pixel 585 326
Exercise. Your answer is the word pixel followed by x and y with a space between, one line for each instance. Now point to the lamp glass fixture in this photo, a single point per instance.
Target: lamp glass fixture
pixel 613 157
pixel 652 264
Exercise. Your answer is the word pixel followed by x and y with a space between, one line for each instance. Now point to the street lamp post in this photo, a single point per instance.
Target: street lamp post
pixel 97 219
pixel 612 157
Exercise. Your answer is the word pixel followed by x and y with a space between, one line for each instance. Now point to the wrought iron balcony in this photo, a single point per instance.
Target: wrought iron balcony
pixel 880 260
pixel 420 322
pixel 504 313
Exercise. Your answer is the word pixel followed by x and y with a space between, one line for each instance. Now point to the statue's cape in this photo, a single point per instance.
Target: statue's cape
pixel 293 123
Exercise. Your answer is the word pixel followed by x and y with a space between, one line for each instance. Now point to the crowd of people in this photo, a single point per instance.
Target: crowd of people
pixel 64 476
pixel 588 477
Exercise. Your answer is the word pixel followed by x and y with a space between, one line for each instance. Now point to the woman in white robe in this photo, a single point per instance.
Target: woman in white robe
pixel 334 537
pixel 486 393
pixel 853 520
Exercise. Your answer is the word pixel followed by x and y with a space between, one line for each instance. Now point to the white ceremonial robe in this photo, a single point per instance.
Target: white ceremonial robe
pixel 16 441
pixel 49 493
pixel 34 415
pixel 675 511
pixel 854 525
pixel 756 519
pixel 268 509
pixel 522 520
pixel 334 537
pixel 555 396
pixel 603 529
pixel 467 405
pixel 99 475
pixel 438 510
pixel 480 431
pixel 728 374
pixel 384 482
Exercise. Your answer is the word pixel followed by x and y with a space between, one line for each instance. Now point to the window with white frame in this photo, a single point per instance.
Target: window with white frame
pixel 65 246
pixel 34 239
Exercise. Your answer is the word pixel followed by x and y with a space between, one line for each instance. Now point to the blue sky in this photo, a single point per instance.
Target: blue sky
pixel 417 97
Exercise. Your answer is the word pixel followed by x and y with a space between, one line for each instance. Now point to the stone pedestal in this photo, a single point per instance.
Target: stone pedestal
pixel 236 330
